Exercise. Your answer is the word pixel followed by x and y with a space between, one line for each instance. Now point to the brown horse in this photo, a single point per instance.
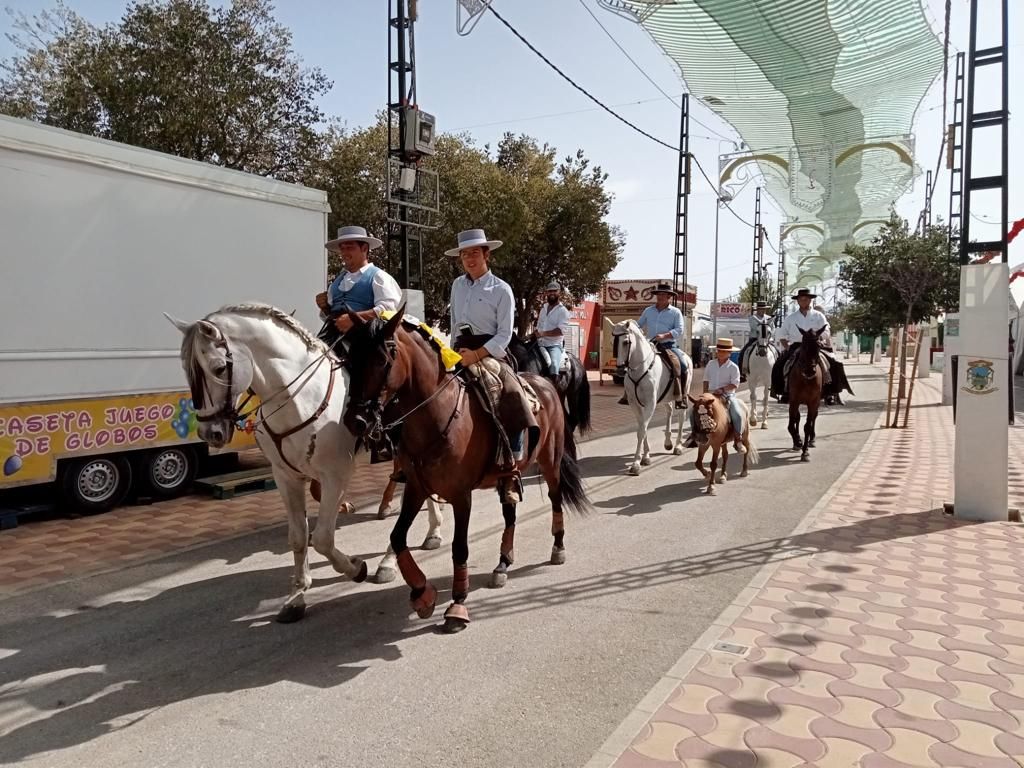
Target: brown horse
pixel 712 428
pixel 447 447
pixel 805 382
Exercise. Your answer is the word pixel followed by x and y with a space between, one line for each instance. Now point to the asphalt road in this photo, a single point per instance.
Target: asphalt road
pixel 178 662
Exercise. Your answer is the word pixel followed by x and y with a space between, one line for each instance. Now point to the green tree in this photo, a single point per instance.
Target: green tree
pixel 216 84
pixel 902 278
pixel 769 291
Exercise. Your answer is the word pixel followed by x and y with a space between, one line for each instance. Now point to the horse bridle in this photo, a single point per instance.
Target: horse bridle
pixel 232 412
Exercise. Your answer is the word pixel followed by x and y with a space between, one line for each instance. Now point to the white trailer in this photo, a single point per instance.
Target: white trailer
pixel 98 239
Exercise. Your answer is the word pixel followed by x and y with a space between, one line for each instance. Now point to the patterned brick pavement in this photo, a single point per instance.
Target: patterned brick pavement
pixel 129 535
pixel 880 634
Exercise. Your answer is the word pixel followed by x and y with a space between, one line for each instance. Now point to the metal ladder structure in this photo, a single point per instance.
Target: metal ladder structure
pixel 955 155
pixel 755 275
pixel 679 264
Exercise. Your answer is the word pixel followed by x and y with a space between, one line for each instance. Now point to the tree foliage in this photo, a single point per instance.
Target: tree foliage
pixel 549 216
pixel 216 84
pixel 901 278
pixel 769 292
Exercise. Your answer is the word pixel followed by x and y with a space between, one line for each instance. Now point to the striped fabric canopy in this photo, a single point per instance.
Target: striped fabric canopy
pixel 823 93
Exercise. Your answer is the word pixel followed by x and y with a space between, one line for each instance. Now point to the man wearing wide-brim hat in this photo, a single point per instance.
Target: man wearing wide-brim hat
pixel 553 327
pixel 722 379
pixel 760 324
pixel 482 313
pixel 361 287
pixel 806 318
pixel 663 325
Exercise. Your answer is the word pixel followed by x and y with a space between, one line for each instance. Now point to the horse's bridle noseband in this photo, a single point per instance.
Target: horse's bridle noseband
pixel 228 410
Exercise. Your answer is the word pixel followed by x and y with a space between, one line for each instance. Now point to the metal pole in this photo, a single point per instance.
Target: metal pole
pixel 714 299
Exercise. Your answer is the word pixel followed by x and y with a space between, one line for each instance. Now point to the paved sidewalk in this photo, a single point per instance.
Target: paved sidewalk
pixel 882 633
pixel 44 552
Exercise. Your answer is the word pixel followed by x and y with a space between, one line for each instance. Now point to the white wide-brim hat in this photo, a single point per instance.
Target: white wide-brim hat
pixel 350 235
pixel 471 238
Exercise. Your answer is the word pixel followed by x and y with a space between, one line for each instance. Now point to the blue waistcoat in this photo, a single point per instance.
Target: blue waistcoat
pixel 359 297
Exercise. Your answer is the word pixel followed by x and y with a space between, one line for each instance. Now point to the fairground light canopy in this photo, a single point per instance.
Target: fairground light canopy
pixel 823 93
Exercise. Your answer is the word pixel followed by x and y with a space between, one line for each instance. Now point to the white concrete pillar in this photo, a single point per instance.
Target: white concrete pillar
pixel 982 431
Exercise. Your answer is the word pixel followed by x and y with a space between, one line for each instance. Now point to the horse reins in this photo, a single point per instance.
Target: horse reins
pixel 232 412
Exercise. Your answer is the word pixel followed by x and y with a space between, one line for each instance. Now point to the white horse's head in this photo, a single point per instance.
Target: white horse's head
pixel 764 335
pixel 218 372
pixel 626 333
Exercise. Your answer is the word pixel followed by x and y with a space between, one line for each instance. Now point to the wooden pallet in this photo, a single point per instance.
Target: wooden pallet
pixel 9 515
pixel 229 485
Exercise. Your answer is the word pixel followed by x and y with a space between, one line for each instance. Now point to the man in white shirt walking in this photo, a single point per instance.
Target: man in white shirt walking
pixel 722 379
pixel 553 327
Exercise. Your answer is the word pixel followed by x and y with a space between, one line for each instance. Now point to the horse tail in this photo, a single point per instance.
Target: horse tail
pixel 581 407
pixel 571 481
pixel 752 455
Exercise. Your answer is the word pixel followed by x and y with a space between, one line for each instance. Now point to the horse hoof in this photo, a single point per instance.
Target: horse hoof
pixel 424 605
pixel 744 473
pixel 456 619
pixel 711 491
pixel 677 451
pixel 634 469
pixel 804 457
pixel 558 556
pixel 347 508
pixel 383 512
pixel 432 542
pixel 721 479
pixel 668 445
pixel 810 444
pixel 764 425
pixel 360 577
pixel 753 422
pixel 453 626
pixel 384 575
pixel 645 461
pixel 290 613
pixel 498 579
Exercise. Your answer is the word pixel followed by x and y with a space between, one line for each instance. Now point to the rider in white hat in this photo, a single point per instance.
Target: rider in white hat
pixel 482 311
pixel 553 327
pixel 722 378
pixel 361 287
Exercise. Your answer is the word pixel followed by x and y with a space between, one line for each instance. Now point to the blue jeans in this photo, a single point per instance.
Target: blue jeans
pixel 556 354
pixel 735 414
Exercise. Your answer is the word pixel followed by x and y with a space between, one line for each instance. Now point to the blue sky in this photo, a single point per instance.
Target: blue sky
pixel 489 82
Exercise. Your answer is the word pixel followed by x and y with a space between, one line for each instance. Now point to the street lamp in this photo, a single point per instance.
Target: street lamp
pixel 724 198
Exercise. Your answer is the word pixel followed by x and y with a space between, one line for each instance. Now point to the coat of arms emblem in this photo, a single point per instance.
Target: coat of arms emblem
pixel 979 377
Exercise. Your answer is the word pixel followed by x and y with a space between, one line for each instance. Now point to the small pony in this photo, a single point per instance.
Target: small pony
pixel 712 428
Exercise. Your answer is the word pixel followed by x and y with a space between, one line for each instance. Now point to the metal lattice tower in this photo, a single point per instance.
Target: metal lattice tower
pixel 682 202
pixel 955 154
pixel 994 118
pixel 779 303
pixel 755 276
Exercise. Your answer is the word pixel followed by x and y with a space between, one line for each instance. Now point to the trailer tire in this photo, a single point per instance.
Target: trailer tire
pixel 167 472
pixel 95 484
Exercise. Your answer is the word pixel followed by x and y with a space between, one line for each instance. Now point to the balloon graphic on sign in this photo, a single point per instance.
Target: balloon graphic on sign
pixel 12 465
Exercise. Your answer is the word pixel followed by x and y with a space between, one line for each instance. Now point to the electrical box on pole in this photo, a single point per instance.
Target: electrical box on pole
pixel 412 191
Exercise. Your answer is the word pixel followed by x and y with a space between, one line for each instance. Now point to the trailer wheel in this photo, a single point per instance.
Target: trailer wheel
pixel 96 483
pixel 168 472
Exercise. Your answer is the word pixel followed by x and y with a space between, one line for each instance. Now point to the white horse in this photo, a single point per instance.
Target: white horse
pixel 757 364
pixel 648 384
pixel 302 390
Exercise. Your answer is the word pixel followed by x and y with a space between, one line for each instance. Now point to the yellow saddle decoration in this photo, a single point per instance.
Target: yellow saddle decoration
pixel 448 355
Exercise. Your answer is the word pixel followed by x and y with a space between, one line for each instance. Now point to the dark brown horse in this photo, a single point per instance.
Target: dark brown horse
pixel 447 447
pixel 805 379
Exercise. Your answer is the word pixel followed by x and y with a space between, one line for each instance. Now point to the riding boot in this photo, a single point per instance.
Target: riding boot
pixel 623 400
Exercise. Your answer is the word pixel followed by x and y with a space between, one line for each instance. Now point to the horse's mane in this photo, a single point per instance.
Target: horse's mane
pixel 313 344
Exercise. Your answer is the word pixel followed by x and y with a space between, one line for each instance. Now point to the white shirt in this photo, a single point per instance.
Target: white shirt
pixel 386 293
pixel 487 306
pixel 550 319
pixel 794 323
pixel 718 376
